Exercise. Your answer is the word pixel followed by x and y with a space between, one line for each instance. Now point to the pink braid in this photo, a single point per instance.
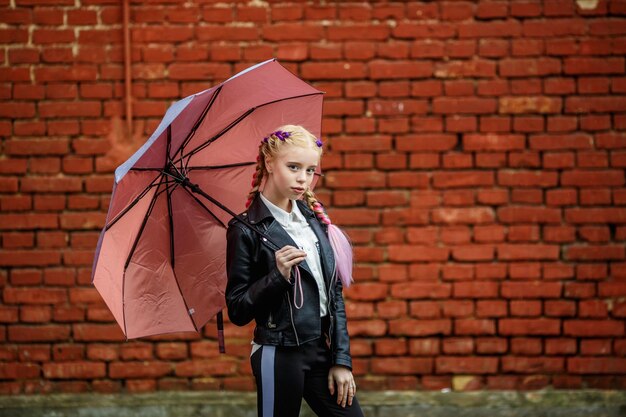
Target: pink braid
pixel 342 248
pixel 320 213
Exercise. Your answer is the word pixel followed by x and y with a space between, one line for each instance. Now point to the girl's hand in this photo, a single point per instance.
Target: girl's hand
pixel 346 388
pixel 286 257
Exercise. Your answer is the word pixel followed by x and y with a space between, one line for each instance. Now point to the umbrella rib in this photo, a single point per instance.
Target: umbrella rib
pixel 204 206
pixel 168 159
pixel 172 256
pixel 207 167
pixel 169 145
pixel 240 164
pixel 239 119
pixel 198 148
pixel 193 130
pixel 132 250
pixel 171 221
pixel 143 225
pixel 196 125
pixel 132 204
pixel 196 189
pixel 146 169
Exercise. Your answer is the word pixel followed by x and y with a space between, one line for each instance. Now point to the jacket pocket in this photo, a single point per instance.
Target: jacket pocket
pixel 270 321
pixel 278 317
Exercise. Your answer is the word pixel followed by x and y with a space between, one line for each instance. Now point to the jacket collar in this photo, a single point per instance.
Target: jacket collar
pixel 281 215
pixel 260 215
pixel 258 211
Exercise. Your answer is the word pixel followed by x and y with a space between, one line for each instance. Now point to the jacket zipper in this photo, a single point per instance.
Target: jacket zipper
pixel 330 329
pixel 270 322
pixel 292 323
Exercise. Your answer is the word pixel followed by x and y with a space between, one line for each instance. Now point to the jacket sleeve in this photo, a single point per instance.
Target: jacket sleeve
pixel 341 355
pixel 246 294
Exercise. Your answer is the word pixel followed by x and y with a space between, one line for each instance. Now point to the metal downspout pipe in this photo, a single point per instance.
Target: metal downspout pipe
pixel 127 71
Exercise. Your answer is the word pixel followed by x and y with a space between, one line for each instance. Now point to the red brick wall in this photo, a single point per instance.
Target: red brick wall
pixel 477 155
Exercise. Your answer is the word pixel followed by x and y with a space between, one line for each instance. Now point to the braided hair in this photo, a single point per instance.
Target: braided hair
pixel 299 136
pixel 257 178
pixel 270 147
pixel 316 206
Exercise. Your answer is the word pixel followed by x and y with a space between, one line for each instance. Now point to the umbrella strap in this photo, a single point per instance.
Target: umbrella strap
pixel 298 283
pixel 220 331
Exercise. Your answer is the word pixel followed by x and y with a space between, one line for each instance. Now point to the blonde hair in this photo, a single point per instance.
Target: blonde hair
pixel 297 136
pixel 269 148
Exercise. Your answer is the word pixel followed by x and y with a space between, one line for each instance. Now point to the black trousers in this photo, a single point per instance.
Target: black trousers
pixel 286 374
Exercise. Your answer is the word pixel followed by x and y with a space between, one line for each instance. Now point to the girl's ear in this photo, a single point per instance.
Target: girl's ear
pixel 269 165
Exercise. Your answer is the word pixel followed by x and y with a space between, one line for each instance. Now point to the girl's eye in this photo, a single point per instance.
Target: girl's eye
pixel 309 171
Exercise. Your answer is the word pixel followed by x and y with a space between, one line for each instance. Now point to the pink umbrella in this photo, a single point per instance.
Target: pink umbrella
pixel 160 260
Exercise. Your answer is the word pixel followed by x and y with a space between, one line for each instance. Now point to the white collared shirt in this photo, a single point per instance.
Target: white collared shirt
pixel 299 229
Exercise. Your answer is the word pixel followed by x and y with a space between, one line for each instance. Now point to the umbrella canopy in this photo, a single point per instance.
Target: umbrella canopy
pixel 160 260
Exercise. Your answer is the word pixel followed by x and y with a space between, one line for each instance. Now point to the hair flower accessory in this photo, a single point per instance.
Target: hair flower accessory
pixel 282 135
pixel 279 134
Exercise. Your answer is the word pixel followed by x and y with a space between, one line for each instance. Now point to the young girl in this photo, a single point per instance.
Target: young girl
pixel 290 280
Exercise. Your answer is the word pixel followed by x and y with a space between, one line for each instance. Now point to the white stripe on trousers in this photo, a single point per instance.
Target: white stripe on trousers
pixel 268 353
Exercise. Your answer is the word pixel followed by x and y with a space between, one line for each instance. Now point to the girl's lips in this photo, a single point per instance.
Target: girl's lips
pixel 298 190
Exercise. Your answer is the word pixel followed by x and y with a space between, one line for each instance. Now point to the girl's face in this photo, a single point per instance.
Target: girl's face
pixel 292 172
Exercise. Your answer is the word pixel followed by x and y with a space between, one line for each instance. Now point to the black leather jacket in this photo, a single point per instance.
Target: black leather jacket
pixel 257 290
